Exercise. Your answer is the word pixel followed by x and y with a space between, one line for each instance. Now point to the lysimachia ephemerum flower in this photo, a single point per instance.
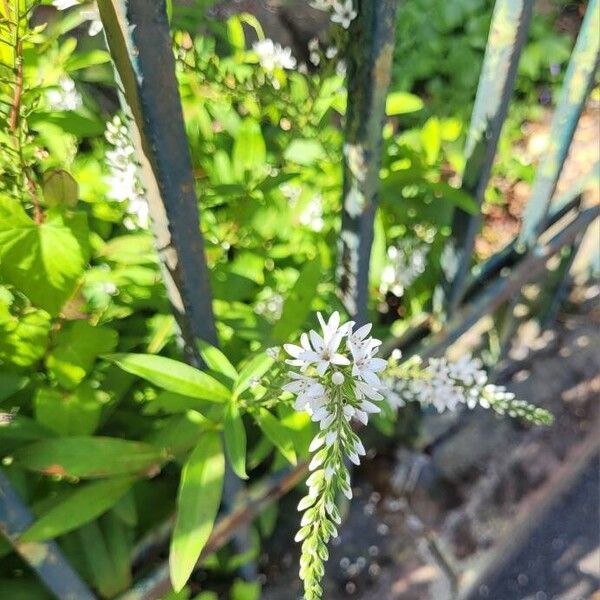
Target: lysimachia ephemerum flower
pixel 449 385
pixel 335 380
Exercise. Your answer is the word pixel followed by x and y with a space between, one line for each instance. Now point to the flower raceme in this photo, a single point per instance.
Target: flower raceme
pixel 336 380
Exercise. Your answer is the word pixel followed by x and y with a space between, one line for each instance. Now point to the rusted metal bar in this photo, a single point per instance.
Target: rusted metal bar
pixel 44 558
pixel 370 53
pixel 508 31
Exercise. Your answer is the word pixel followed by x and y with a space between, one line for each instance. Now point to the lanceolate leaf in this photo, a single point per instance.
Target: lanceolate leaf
pixel 298 303
pixel 198 501
pixel 254 370
pixel 173 376
pixel 77 346
pixel 277 433
pixel 216 361
pixel 88 457
pixel 235 440
pixel 81 506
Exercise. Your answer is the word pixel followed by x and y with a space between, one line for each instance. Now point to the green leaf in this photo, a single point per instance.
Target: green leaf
pixel 59 187
pixel 77 346
pixel 84 504
pixel 298 304
pixel 216 361
pixel 277 433
pixel 235 33
pixel 24 337
pixel 235 440
pixel 69 413
pixel 304 152
pixel 99 560
pixel 400 103
pixel 172 376
pixel 249 149
pixel 88 457
pixel 460 198
pixel 198 502
pixel 245 590
pixel 431 139
pixel 44 261
pixel 11 383
pixel 255 369
pixel 83 60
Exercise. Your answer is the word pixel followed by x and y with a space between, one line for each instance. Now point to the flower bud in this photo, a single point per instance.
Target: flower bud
pixel 337 378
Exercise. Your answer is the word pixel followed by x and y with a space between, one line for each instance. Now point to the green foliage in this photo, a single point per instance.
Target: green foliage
pixel 91 369
pixel 197 505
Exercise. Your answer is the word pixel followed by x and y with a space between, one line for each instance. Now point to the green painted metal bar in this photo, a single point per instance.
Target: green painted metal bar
pixel 44 558
pixel 578 82
pixel 509 256
pixel 505 288
pixel 138 36
pixel 139 40
pixel 508 31
pixel 370 53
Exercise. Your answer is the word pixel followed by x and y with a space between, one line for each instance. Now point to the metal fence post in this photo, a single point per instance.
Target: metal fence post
pixel 578 81
pixel 370 54
pixel 508 31
pixel 44 558
pixel 139 40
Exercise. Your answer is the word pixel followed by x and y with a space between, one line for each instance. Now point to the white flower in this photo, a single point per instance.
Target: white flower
pixel 312 216
pixel 467 370
pixel 321 4
pixel 337 378
pixel 308 391
pixel 405 262
pixel 122 179
pixel 273 352
pixel 271 308
pixel 343 13
pixel 322 351
pixel 93 16
pixel 64 4
pixel 87 14
pixel 272 55
pixel 366 366
pixel 65 96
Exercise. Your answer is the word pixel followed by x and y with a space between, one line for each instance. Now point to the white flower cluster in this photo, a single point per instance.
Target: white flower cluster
pixel 90 14
pixel 122 180
pixel 448 385
pixel 337 381
pixel 64 96
pixel 270 308
pixel 405 262
pixel 273 56
pixel 341 12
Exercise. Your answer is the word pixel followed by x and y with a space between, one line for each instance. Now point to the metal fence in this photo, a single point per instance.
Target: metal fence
pixel 139 40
